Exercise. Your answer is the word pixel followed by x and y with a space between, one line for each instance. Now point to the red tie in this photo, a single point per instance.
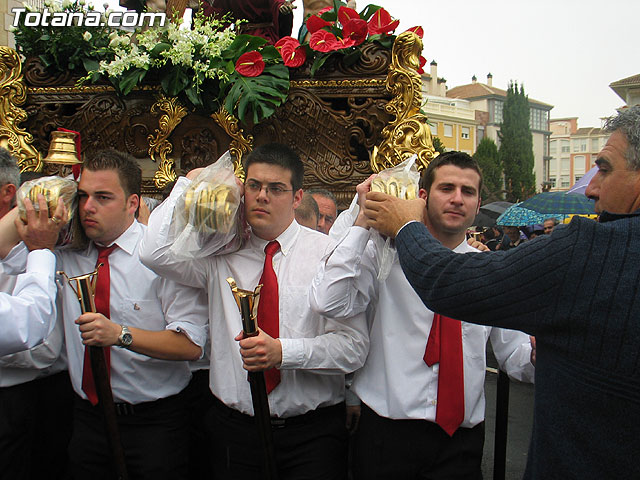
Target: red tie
pixel 268 315
pixel 103 287
pixel 445 346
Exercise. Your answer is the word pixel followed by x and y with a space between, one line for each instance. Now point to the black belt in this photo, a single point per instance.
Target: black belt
pixel 126 409
pixel 319 414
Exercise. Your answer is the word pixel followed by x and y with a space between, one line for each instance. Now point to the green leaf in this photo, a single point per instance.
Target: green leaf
pixel 242 44
pixel 159 48
pixel 175 81
pixel 368 12
pixel 130 79
pixel 193 96
pixel 352 57
pixel 318 62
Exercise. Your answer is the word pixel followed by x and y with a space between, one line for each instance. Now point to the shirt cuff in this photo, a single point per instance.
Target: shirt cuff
pixel 292 353
pixel 41 261
pixel 196 334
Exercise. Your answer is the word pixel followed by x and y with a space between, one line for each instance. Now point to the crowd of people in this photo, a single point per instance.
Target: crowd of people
pixel 399 334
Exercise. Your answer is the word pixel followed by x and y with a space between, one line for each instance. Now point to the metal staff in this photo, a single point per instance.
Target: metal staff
pixel 85 290
pixel 248 304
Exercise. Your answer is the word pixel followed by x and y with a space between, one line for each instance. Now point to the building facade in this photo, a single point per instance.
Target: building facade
pixel 573 151
pixel 488 102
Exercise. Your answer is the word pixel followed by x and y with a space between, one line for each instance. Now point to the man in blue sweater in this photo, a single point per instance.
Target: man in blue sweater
pixel 585 315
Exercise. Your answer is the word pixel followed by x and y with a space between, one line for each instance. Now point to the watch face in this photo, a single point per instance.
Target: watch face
pixel 127 338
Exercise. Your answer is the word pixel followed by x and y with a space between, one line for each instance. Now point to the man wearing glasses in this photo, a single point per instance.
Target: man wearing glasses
pixel 305 355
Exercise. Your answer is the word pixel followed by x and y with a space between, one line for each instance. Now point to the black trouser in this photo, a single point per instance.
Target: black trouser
pixel 35 427
pixel 199 399
pixel 415 449
pixel 310 446
pixel 154 435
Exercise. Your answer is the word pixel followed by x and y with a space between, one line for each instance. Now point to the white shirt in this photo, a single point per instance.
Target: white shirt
pixel 316 352
pixel 138 298
pixel 27 316
pixel 395 381
pixel 41 360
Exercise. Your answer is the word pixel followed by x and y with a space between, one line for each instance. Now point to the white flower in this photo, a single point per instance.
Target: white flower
pixel 81 3
pixel 67 4
pixel 12 29
pixel 86 36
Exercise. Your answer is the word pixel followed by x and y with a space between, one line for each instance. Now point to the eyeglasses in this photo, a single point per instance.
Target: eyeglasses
pixel 271 189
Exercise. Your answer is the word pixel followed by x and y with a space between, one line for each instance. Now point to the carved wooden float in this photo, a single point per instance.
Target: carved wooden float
pixel 345 123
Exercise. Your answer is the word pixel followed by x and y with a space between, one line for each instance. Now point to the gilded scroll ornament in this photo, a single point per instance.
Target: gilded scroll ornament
pixel 13 93
pixel 409 132
pixel 159 146
pixel 240 144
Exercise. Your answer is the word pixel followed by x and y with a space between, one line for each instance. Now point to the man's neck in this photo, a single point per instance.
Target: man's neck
pixel 449 240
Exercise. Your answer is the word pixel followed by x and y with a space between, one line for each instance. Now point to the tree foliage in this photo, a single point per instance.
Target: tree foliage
pixel 516 147
pixel 489 161
pixel 437 144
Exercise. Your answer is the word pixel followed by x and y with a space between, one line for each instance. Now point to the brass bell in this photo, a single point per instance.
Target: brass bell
pixel 62 149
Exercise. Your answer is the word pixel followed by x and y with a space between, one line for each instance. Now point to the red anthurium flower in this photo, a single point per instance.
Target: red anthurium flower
pixel 417 30
pixel 345 14
pixel 315 23
pixel 423 62
pixel 325 10
pixel 250 64
pixel 343 43
pixel 381 23
pixel 356 30
pixel 323 41
pixel 293 55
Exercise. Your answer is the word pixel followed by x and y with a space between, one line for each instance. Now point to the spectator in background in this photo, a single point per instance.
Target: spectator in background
pixel 489 238
pixel 549 224
pixel 307 213
pixel 514 236
pixel 328 206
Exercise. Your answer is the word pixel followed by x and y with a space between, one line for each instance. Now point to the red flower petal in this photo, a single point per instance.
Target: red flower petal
pixel 381 23
pixel 345 14
pixel 343 43
pixel 315 23
pixel 423 62
pixel 356 29
pixel 250 64
pixel 417 30
pixel 293 55
pixel 325 10
pixel 323 41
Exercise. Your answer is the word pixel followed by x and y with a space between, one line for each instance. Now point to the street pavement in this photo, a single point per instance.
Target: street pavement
pixel 519 427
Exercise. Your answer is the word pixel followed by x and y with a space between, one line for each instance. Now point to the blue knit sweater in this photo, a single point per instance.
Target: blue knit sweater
pixel 577 291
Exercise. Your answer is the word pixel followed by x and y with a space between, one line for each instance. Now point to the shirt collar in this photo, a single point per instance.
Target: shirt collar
pixel 286 239
pixel 129 238
pixel 610 217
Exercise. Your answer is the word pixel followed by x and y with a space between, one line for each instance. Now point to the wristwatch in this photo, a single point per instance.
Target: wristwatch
pixel 125 339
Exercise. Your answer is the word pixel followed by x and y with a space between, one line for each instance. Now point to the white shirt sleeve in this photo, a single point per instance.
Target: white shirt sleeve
pixel 28 316
pixel 346 281
pixel 155 246
pixel 513 352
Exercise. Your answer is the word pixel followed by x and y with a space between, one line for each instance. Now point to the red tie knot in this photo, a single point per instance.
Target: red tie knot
pixel 104 252
pixel 271 248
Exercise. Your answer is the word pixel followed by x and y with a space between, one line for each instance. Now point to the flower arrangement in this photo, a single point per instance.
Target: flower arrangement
pixel 209 64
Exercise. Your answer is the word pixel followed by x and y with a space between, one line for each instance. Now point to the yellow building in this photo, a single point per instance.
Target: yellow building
pixel 452 120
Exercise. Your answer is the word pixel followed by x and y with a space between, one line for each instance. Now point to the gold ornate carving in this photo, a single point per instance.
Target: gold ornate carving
pixel 409 132
pixel 366 82
pixel 240 144
pixel 159 146
pixel 13 93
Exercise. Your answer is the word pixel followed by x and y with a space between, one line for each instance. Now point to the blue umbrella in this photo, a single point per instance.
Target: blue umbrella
pixel 518 216
pixel 559 202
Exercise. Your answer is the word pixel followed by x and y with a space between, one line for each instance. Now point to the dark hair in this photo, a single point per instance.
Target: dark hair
pixel 323 192
pixel 555 220
pixel 280 155
pixel 128 170
pixel 308 207
pixel 457 159
pixel 9 170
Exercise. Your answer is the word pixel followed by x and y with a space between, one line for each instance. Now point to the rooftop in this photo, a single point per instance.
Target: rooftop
pixel 479 90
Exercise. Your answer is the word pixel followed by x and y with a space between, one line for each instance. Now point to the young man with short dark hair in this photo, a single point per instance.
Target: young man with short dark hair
pixel 304 357
pixel 403 432
pixel 142 321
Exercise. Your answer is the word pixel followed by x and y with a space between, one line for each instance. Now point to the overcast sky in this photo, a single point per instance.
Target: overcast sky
pixel 565 52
